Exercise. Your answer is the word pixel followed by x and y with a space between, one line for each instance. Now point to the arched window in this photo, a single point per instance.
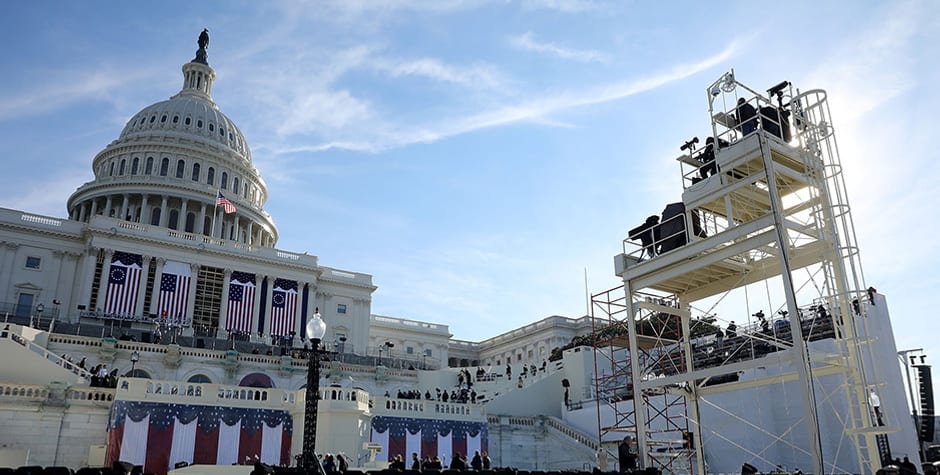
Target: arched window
pixel 111 172
pixel 164 166
pixel 149 169
pixel 123 165
pixel 206 225
pixel 199 378
pixel 224 183
pixel 155 217
pixel 210 176
pixel 190 222
pixel 137 373
pixel 195 172
pixel 135 166
pixel 235 185
pixel 180 168
pixel 174 217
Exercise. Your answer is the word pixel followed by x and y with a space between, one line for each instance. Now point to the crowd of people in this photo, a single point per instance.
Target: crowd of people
pixel 479 461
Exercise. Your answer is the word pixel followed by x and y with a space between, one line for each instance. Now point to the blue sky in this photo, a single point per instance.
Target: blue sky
pixel 478 157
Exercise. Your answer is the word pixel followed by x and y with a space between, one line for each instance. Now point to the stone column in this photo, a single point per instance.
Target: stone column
pixel 155 291
pixel 107 207
pixel 94 208
pixel 87 262
pixel 105 272
pixel 235 225
pixel 164 215
pixel 123 215
pixel 223 308
pixel 9 258
pixel 144 208
pixel 191 298
pixel 142 290
pixel 81 212
pixel 202 220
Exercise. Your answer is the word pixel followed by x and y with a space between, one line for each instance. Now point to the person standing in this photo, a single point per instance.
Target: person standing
pixel 626 456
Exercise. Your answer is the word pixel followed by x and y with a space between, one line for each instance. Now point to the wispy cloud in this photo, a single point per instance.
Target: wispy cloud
pixel 475 77
pixel 566 6
pixel 527 43
pixel 384 136
pixel 80 86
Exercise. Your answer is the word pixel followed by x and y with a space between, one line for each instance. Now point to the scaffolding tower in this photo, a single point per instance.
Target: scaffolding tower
pixel 764 205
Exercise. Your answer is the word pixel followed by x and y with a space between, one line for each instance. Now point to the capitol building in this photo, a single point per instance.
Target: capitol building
pixel 166 276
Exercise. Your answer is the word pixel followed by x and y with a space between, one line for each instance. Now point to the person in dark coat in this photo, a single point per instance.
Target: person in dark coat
pixel 625 455
pixel 747 117
pixel 477 462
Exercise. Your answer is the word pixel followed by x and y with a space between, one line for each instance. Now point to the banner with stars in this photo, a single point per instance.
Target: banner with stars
pixel 283 306
pixel 174 292
pixel 123 284
pixel 404 435
pixel 159 435
pixel 241 302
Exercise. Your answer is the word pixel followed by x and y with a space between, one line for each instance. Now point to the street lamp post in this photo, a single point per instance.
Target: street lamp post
pixel 315 331
pixel 135 357
pixel 39 309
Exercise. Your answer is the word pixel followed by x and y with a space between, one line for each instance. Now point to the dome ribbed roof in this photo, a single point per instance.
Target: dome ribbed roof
pixel 188 114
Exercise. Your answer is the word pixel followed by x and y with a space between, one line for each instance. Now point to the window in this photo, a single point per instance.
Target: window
pixel 149 169
pixel 341 308
pixel 410 350
pixel 210 176
pixel 164 166
pixel 195 172
pixel 176 119
pixel 33 262
pixel 111 172
pixel 188 121
pixel 235 185
pixel 135 166
pixel 180 168
pixel 190 222
pixel 427 352
pixel 530 354
pixel 155 217
pixel 153 119
pixel 224 180
pixel 121 169
pixel 199 378
pixel 222 131
pixel 174 217
pixel 199 123
pixel 211 127
pixel 163 119
pixel 519 357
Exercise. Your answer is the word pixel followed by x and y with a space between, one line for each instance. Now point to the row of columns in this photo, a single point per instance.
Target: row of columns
pixel 225 228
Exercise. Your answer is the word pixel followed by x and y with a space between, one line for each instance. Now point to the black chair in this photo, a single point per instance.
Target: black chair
pixel 58 471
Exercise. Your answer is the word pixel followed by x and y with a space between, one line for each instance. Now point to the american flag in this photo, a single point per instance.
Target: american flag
pixel 174 291
pixel 283 306
pixel 241 301
pixel 123 284
pixel 226 205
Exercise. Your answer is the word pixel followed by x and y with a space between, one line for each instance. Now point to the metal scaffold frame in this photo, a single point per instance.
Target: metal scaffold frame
pixel 772 208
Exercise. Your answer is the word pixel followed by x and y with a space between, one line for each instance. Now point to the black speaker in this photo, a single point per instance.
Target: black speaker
pixel 925 387
pixel 200 343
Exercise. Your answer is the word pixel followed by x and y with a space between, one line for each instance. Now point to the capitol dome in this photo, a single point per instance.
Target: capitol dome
pixel 173 161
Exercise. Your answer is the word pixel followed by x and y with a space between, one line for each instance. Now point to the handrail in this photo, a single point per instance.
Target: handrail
pixel 58 360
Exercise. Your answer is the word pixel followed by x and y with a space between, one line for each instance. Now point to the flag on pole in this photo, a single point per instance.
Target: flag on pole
pixel 123 283
pixel 283 306
pixel 241 302
pixel 226 205
pixel 174 291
